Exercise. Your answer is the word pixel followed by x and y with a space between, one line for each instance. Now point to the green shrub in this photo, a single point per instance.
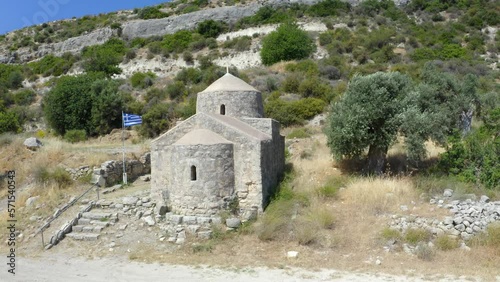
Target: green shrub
pixel 24 97
pixel 291 83
pixel 75 135
pixel 313 87
pixel 390 234
pixel 445 243
pixel 176 90
pixel 293 112
pixel 52 65
pixel 287 43
pixel 177 42
pixel 41 175
pixel 328 8
pixel 189 76
pixel 211 28
pixel 142 80
pixel 61 178
pixel 9 122
pixel 151 13
pixel 104 58
pixel 242 43
pixel 188 57
pixel 155 121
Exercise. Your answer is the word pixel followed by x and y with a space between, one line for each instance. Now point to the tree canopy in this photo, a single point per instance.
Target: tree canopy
pixel 85 102
pixel 378 107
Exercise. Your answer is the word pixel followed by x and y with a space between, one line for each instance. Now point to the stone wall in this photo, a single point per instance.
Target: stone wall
pixel 213 185
pixel 111 172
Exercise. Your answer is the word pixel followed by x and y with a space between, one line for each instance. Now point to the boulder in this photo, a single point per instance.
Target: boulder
pixel 31 200
pixel 32 143
pixel 233 222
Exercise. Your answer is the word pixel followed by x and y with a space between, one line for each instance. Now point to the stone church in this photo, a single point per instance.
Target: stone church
pixel 226 154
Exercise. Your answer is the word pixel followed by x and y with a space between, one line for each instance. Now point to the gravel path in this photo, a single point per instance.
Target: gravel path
pixel 62 268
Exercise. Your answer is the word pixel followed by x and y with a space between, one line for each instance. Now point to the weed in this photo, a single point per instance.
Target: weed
pixel 445 243
pixel 306 231
pixel 390 234
pixel 300 132
pixel 424 252
pixel 489 238
pixel 61 177
pixel 206 247
pixel 417 235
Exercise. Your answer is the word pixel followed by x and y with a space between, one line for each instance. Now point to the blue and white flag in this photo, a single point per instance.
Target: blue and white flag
pixel 129 119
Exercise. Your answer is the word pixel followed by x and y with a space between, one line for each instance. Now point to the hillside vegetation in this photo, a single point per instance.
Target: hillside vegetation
pixel 384 107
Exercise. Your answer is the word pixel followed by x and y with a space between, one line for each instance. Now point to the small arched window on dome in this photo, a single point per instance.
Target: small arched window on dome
pixel 223 109
pixel 193 173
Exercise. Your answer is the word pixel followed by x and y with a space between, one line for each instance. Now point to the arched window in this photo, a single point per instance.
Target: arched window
pixel 193 173
pixel 223 109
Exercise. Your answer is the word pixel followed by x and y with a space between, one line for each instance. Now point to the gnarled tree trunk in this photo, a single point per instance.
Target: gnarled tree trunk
pixel 376 160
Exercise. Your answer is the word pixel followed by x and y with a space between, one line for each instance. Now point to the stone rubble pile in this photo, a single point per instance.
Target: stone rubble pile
pixel 467 217
pixel 76 173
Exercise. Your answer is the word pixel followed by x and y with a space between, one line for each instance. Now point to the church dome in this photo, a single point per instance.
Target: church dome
pixel 229 82
pixel 230 96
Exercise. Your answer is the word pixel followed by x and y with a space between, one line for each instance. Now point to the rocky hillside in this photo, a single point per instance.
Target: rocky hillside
pixel 170 52
pixel 130 27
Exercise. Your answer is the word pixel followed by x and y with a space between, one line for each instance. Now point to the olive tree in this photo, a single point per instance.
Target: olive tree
pixel 377 107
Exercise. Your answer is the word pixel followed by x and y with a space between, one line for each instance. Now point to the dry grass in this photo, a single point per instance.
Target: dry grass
pixel 379 195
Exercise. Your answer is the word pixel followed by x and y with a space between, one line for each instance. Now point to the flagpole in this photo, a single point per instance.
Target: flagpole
pixel 123 143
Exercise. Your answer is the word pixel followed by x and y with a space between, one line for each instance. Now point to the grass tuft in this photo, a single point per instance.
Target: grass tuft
pixel 417 235
pixel 424 252
pixel 445 243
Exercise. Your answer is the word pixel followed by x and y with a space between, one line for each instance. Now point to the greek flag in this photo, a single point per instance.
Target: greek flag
pixel 129 119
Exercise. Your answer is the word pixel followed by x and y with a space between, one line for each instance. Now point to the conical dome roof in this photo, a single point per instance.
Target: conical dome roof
pixel 229 82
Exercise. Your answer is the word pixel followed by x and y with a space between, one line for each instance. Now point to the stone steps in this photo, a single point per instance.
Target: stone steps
pixel 83 236
pixel 91 223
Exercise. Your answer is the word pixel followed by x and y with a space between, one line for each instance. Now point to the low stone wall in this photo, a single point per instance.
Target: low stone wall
pixel 111 172
pixel 467 217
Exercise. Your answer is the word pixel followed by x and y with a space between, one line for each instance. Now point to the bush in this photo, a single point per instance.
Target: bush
pixel 155 120
pixel 61 177
pixel 9 122
pixel 176 90
pixel 242 43
pixel 293 112
pixel 142 80
pixel 24 97
pixel 313 87
pixel 75 135
pixel 390 234
pixel 104 58
pixel 425 252
pixel 188 57
pixel 211 28
pixel 52 65
pixel 177 42
pixel 287 43
pixel 148 13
